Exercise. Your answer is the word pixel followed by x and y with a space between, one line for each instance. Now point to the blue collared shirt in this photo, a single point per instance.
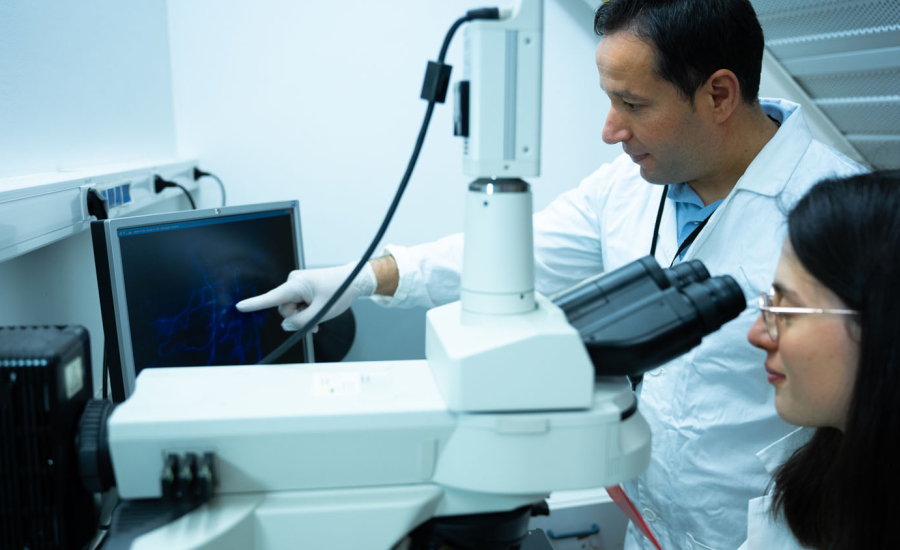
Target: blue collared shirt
pixel 689 210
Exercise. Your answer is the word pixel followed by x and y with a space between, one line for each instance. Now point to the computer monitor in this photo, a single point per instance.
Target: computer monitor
pixel 169 284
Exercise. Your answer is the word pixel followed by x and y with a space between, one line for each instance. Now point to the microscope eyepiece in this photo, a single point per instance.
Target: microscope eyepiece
pixel 686 273
pixel 640 316
pixel 717 299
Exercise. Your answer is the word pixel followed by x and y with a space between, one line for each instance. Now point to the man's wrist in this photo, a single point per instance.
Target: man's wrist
pixel 387 275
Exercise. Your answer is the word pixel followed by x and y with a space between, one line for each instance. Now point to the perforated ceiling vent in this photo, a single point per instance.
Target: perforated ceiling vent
pixel 846 55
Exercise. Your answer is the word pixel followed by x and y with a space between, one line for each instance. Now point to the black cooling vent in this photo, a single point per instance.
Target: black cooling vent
pixel 45 381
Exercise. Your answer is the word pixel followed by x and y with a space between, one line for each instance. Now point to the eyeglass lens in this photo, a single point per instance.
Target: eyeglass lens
pixel 765 299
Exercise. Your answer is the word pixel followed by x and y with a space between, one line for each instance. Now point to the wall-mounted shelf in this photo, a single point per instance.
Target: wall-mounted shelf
pixel 39 209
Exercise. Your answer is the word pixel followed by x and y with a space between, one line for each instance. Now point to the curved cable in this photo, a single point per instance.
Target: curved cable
pixel 221 187
pixel 198 173
pixel 187 194
pixel 294 338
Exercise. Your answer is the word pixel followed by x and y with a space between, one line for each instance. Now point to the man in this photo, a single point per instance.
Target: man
pixel 713 168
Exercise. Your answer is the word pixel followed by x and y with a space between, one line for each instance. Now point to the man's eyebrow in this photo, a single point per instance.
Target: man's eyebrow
pixel 785 292
pixel 626 95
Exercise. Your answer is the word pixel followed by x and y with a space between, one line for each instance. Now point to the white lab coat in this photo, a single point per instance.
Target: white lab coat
pixel 764 531
pixel 711 409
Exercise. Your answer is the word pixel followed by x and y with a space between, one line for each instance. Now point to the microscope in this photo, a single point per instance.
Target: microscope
pixel 519 394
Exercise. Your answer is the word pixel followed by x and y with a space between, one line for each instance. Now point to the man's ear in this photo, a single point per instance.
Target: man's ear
pixel 720 95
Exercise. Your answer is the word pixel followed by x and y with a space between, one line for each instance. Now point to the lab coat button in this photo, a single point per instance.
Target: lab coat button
pixel 649 514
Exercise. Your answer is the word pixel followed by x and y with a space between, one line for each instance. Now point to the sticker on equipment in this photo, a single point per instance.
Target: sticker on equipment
pixel 336 383
pixel 74 375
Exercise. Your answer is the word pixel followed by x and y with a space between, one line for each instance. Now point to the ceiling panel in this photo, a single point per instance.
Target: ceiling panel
pixel 845 54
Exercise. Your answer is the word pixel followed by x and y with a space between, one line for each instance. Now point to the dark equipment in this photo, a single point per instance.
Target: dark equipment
pixel 493 531
pixel 45 382
pixel 54 449
pixel 640 316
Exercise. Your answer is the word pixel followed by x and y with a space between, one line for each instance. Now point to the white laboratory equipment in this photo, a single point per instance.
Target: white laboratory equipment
pixel 513 400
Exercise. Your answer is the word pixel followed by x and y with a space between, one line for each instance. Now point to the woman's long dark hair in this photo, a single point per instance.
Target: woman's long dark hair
pixel 842 490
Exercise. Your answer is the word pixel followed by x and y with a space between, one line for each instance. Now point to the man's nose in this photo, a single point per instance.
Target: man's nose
pixel 615 130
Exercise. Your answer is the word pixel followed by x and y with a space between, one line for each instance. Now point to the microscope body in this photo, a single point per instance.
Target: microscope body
pixel 515 398
pixel 505 409
pixel 355 455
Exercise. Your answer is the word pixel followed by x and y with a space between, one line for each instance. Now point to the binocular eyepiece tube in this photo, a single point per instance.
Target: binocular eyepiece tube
pixel 640 316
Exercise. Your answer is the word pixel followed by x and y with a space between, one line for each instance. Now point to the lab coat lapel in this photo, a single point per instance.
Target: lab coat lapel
pixel 764 530
pixel 768 175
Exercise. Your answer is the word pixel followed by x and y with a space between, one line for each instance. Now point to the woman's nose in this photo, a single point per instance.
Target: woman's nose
pixel 759 336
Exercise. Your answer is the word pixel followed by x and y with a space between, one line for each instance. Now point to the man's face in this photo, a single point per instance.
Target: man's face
pixel 657 127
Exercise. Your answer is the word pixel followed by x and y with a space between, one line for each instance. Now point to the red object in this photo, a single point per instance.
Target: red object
pixel 624 503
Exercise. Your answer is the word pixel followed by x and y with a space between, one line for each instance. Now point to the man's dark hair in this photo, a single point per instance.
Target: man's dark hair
pixel 839 491
pixel 693 39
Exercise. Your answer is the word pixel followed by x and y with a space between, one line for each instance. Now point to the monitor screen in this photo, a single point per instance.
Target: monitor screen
pixel 174 280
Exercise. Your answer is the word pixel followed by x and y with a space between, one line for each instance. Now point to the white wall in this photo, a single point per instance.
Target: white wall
pixel 319 101
pixel 81 84
pixel 282 99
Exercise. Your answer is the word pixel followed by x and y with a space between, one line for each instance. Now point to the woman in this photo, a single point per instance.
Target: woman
pixel 831 331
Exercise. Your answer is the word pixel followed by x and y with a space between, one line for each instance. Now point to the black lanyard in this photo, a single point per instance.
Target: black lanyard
pixel 636 379
pixel 687 242
pixel 690 239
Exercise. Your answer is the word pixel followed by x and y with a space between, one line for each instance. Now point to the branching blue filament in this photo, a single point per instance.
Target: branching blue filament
pixel 231 336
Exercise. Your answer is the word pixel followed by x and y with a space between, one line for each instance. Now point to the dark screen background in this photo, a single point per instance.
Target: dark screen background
pixel 183 279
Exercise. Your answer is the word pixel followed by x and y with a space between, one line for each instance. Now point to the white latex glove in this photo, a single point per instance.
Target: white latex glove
pixel 307 290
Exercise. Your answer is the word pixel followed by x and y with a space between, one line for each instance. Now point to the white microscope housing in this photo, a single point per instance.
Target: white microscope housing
pixel 356 455
pixel 504 410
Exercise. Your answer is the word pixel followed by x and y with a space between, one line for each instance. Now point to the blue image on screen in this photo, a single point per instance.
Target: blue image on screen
pixel 182 281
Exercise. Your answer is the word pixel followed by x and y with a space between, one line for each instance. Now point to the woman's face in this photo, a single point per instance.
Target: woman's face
pixel 813 363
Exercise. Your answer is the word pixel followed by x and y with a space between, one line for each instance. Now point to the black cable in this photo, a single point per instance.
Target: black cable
pixel 160 183
pixel 198 173
pixel 188 195
pixel 105 372
pixel 486 13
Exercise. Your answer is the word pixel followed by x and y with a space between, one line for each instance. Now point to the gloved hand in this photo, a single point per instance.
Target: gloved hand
pixel 306 291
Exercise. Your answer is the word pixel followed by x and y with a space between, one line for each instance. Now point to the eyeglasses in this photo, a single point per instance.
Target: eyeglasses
pixel 770 312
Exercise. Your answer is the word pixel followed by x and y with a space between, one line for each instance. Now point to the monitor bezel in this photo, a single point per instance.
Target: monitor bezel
pixel 119 303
